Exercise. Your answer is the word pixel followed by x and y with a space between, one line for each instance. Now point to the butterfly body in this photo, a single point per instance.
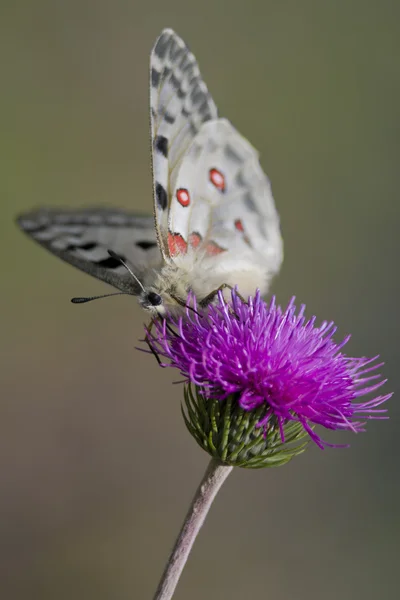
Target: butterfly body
pixel 215 222
pixel 201 276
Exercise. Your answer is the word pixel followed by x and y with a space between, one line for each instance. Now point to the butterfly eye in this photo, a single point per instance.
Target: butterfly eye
pixel 154 299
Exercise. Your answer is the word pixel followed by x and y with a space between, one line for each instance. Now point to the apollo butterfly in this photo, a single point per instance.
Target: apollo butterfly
pixel 215 220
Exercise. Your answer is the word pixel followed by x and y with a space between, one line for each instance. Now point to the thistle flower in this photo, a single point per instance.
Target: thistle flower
pixel 274 372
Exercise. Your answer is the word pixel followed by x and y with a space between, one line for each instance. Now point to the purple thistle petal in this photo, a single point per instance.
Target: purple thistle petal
pixel 273 358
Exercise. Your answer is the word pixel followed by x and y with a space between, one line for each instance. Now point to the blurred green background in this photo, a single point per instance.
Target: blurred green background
pixel 96 466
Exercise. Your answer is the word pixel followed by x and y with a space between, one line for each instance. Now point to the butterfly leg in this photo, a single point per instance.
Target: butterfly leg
pixel 148 342
pixel 212 295
pixel 147 339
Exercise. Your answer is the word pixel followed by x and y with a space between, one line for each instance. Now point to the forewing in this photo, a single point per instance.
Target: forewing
pixel 179 103
pixel 83 239
pixel 223 204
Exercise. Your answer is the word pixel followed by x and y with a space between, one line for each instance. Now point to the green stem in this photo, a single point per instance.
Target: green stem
pixel 213 479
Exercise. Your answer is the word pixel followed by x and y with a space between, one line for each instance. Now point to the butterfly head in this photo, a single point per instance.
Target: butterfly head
pixel 152 301
pixel 162 302
pixel 166 291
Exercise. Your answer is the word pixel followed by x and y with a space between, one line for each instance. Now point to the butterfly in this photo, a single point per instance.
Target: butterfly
pixel 214 225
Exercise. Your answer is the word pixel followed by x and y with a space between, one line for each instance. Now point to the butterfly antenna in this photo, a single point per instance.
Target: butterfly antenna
pixel 127 267
pixel 82 300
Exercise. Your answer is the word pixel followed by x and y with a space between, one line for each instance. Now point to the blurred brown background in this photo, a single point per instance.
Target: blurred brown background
pixel 96 466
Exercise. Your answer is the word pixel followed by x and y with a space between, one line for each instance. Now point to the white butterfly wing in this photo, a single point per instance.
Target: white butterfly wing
pixel 83 239
pixel 212 201
pixel 179 103
pixel 222 206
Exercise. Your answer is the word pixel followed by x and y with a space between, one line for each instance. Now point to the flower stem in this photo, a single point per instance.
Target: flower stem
pixel 213 479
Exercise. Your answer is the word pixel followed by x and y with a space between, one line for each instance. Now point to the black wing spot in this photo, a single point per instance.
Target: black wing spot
pixel 176 52
pixel 161 145
pixel 175 81
pixel 162 45
pixel 33 228
pixel 161 196
pixel 145 245
pixel 109 263
pixel 155 77
pixel 188 66
pixel 231 154
pixel 239 179
pixel 169 118
pixel 197 93
pixel 87 246
pixel 249 202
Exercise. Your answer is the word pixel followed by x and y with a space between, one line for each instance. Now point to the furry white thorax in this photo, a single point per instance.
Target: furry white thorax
pixel 190 273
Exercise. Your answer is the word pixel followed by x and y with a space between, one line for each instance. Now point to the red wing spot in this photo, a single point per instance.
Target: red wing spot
pixel 217 179
pixel 212 248
pixel 195 239
pixel 176 244
pixel 239 225
pixel 183 197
